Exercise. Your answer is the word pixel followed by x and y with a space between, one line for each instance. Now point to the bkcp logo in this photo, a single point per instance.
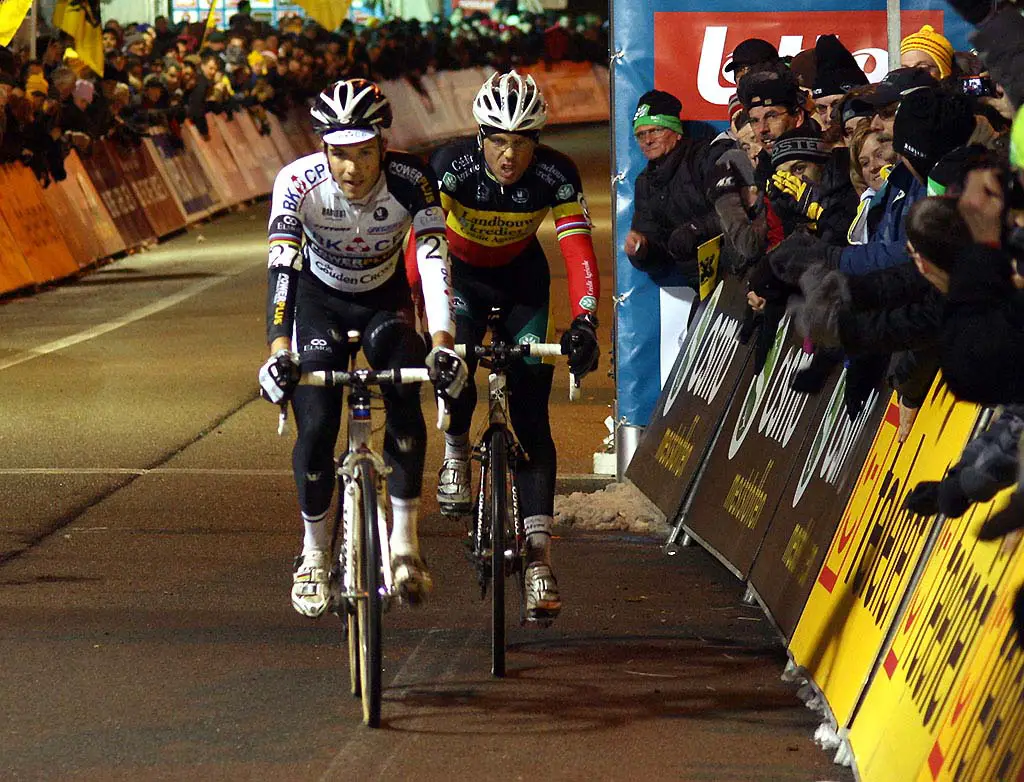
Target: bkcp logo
pixel 697 77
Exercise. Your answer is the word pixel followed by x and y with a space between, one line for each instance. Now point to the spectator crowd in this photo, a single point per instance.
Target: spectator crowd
pixel 887 219
pixel 162 75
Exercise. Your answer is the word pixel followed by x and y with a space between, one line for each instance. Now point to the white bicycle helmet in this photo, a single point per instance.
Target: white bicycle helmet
pixel 510 103
pixel 350 111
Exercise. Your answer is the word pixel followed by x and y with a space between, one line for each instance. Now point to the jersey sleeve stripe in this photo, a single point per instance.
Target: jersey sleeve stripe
pixel 285 239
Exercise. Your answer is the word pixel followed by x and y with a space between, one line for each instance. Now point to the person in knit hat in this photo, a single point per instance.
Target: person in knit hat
pixel 836 73
pixel 929 50
pixel 928 124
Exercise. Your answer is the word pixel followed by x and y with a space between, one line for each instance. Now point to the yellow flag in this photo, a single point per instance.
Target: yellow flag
pixel 708 255
pixel 211 24
pixel 81 20
pixel 329 13
pixel 12 14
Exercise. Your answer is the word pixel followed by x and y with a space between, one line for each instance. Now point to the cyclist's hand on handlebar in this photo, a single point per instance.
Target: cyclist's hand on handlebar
pixel 447 371
pixel 579 343
pixel 279 376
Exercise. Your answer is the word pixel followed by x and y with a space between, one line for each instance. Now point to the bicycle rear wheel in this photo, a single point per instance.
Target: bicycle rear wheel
pixel 497 475
pixel 370 608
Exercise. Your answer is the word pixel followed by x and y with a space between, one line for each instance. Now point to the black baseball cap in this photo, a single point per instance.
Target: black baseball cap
pixel 895 86
pixel 750 52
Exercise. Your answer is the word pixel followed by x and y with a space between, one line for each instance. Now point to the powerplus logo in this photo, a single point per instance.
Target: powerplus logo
pixel 697 76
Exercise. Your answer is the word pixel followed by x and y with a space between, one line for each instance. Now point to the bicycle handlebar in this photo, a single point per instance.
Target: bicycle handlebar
pixel 367 377
pixel 525 350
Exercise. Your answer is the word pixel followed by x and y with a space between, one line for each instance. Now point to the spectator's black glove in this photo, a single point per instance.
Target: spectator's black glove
pixel 579 343
pixel 923 499
pixel 953 500
pixel 817 316
pixel 683 242
pixel 794 254
pixel 1005 521
pixel 447 371
pixel 974 11
pixel 732 171
pixel 279 377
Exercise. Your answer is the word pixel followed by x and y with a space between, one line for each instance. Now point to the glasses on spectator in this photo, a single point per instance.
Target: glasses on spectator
pixel 887 112
pixel 652 133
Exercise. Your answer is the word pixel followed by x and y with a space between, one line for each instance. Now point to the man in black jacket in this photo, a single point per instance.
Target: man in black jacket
pixel 672 216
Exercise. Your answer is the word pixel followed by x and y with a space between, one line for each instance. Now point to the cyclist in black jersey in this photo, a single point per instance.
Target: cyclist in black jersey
pixel 496 190
pixel 338 222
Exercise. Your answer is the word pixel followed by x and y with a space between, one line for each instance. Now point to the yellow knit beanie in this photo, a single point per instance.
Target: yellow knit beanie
pixel 934 45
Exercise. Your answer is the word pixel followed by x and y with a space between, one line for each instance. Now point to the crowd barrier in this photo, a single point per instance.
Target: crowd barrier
pixel 117 198
pixel 900 623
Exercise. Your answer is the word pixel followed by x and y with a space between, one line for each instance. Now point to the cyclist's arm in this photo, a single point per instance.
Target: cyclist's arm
pixel 284 262
pixel 415 185
pixel 573 230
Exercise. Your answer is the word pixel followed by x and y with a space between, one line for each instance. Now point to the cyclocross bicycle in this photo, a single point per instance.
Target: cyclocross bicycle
pixel 497 541
pixel 362 582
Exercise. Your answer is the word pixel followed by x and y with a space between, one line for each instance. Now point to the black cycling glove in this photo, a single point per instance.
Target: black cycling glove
pixel 579 343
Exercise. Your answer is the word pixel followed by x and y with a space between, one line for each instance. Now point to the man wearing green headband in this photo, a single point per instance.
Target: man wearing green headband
pixel 672 216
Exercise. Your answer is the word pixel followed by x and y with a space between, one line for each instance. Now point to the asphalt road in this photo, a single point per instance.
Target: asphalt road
pixel 146 540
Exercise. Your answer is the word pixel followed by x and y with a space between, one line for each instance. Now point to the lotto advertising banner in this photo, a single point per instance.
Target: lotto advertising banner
pixel 32 226
pixel 873 555
pixel 754 455
pixel 811 504
pixel 648 38
pixel 690 409
pixel 931 651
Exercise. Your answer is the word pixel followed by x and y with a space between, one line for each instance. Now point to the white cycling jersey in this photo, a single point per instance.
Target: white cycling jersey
pixel 356 247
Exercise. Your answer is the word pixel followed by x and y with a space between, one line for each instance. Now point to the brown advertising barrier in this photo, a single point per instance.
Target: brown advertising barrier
pixel 754 455
pixel 282 143
pixel 125 209
pixel 81 192
pixel 192 188
pixel 572 92
pixel 14 271
pixel 693 401
pixel 230 133
pixel 811 505
pixel 32 225
pixel 85 247
pixel 137 168
pixel 217 163
pixel 263 149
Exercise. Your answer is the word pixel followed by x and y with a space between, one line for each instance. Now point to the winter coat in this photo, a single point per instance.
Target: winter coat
pixel 671 194
pixel 887 246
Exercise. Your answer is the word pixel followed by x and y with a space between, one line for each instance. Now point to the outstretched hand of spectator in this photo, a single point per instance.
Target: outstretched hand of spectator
pixel 636 244
pixel 981 206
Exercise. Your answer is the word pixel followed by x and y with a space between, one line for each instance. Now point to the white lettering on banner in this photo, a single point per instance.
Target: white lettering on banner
pixel 756 390
pixel 834 440
pixel 715 359
pixel 712 60
pixel 783 406
pixel 696 339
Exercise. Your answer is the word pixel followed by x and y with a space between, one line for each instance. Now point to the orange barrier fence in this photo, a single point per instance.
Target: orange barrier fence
pixel 117 198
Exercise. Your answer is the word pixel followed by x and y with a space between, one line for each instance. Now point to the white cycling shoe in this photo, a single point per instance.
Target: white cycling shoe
pixel 310 583
pixel 543 601
pixel 453 486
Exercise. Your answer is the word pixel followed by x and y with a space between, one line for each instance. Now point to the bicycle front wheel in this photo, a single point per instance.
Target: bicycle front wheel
pixel 370 607
pixel 497 504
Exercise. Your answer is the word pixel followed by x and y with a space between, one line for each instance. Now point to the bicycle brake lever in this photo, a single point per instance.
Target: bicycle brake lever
pixel 282 421
pixel 443 416
pixel 574 387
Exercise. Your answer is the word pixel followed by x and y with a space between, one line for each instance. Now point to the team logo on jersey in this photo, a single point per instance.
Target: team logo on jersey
pixel 380 213
pixel 358 245
pixel 565 192
pixel 589 303
pixel 530 339
pixel 520 196
pixel 449 181
pixel 482 192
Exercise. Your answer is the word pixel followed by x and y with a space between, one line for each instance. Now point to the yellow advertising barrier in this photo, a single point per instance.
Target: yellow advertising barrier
pixel 873 554
pixel 981 725
pixel 897 724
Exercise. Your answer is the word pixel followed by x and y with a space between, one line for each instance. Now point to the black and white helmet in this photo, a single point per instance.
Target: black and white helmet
pixel 350 111
pixel 510 103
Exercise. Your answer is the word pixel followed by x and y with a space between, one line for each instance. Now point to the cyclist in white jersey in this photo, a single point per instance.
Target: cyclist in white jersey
pixel 338 222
